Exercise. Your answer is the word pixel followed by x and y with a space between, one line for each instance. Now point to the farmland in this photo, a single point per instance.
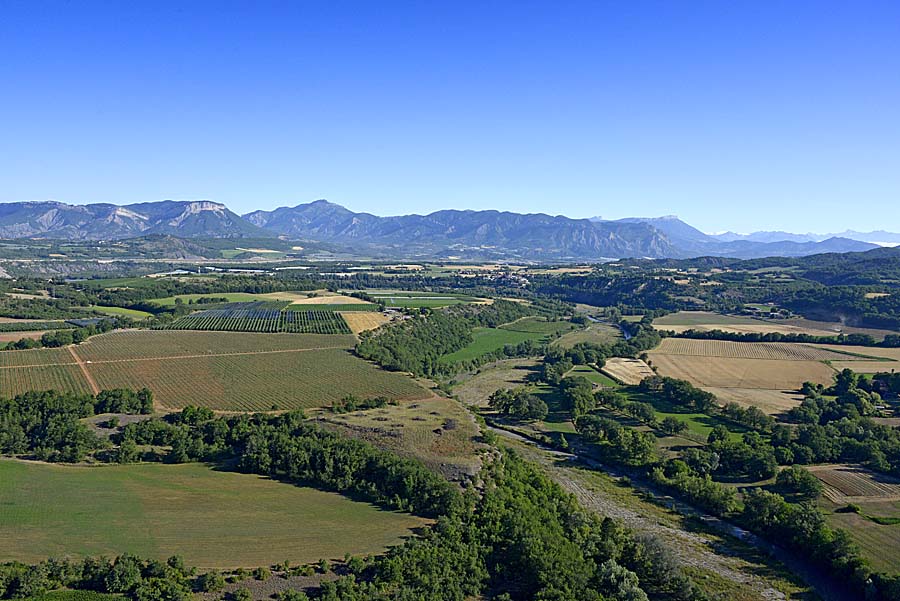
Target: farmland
pixel 876 526
pixel 722 372
pixel 412 299
pixel 360 321
pixel 849 484
pixel 627 371
pixel 738 324
pixel 770 402
pixel 593 375
pixel 161 510
pixel 885 359
pixel 782 351
pixel 263 317
pixel 488 340
pixel 595 333
pixel 219 370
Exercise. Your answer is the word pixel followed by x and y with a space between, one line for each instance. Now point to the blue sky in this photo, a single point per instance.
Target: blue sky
pixel 733 115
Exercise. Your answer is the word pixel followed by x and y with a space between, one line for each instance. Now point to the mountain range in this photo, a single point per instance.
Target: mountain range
pixel 444 234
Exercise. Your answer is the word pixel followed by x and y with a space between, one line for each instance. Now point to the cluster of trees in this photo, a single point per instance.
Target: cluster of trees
pixel 48 424
pixel 618 443
pixel 523 538
pixel 416 345
pixel 640 337
pixel 124 400
pixel 351 403
pixel 136 578
pixel 851 304
pixel 520 403
pixel 289 448
pixel 889 341
pixel 684 395
pixel 58 338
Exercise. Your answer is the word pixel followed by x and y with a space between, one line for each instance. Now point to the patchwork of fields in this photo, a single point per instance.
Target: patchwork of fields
pixel 220 370
pixel 156 510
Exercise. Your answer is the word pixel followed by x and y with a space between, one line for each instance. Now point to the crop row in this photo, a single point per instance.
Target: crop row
pixel 234 319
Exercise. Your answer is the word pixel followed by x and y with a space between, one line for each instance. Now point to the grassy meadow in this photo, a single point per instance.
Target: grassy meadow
pixel 156 510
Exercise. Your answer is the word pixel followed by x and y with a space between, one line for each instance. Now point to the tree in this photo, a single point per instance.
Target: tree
pixel 672 425
pixel 800 482
pixel 719 433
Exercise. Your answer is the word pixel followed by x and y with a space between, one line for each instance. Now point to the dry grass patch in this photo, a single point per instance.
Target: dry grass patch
pixel 360 321
pixel 721 372
pixel 627 371
pixel 437 431
pixel 510 373
pixel 770 402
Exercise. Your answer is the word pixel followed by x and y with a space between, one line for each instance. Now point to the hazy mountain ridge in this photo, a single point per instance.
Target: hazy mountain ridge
pixel 103 221
pixel 473 234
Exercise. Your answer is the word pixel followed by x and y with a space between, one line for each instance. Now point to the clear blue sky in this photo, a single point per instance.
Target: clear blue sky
pixel 733 115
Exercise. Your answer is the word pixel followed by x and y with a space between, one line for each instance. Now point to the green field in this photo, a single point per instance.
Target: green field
pixel 156 510
pixel 595 333
pixel 233 297
pixel 413 299
pixel 122 312
pixel 699 425
pixel 338 308
pixel 219 370
pixel 488 340
pixel 593 375
pixel 538 325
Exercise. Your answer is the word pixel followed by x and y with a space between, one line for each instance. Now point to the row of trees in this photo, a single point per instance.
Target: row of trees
pixel 58 338
pixel 889 341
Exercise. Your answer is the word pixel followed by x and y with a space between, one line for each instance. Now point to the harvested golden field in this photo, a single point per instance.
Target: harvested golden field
pixel 627 371
pixel 724 372
pixel 867 367
pixel 15 336
pixel 872 351
pixel 771 402
pixel 850 483
pixel 783 351
pixel 705 321
pixel 891 356
pixel 360 321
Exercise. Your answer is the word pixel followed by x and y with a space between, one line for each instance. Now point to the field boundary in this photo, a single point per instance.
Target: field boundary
pixel 85 364
pixel 87 375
